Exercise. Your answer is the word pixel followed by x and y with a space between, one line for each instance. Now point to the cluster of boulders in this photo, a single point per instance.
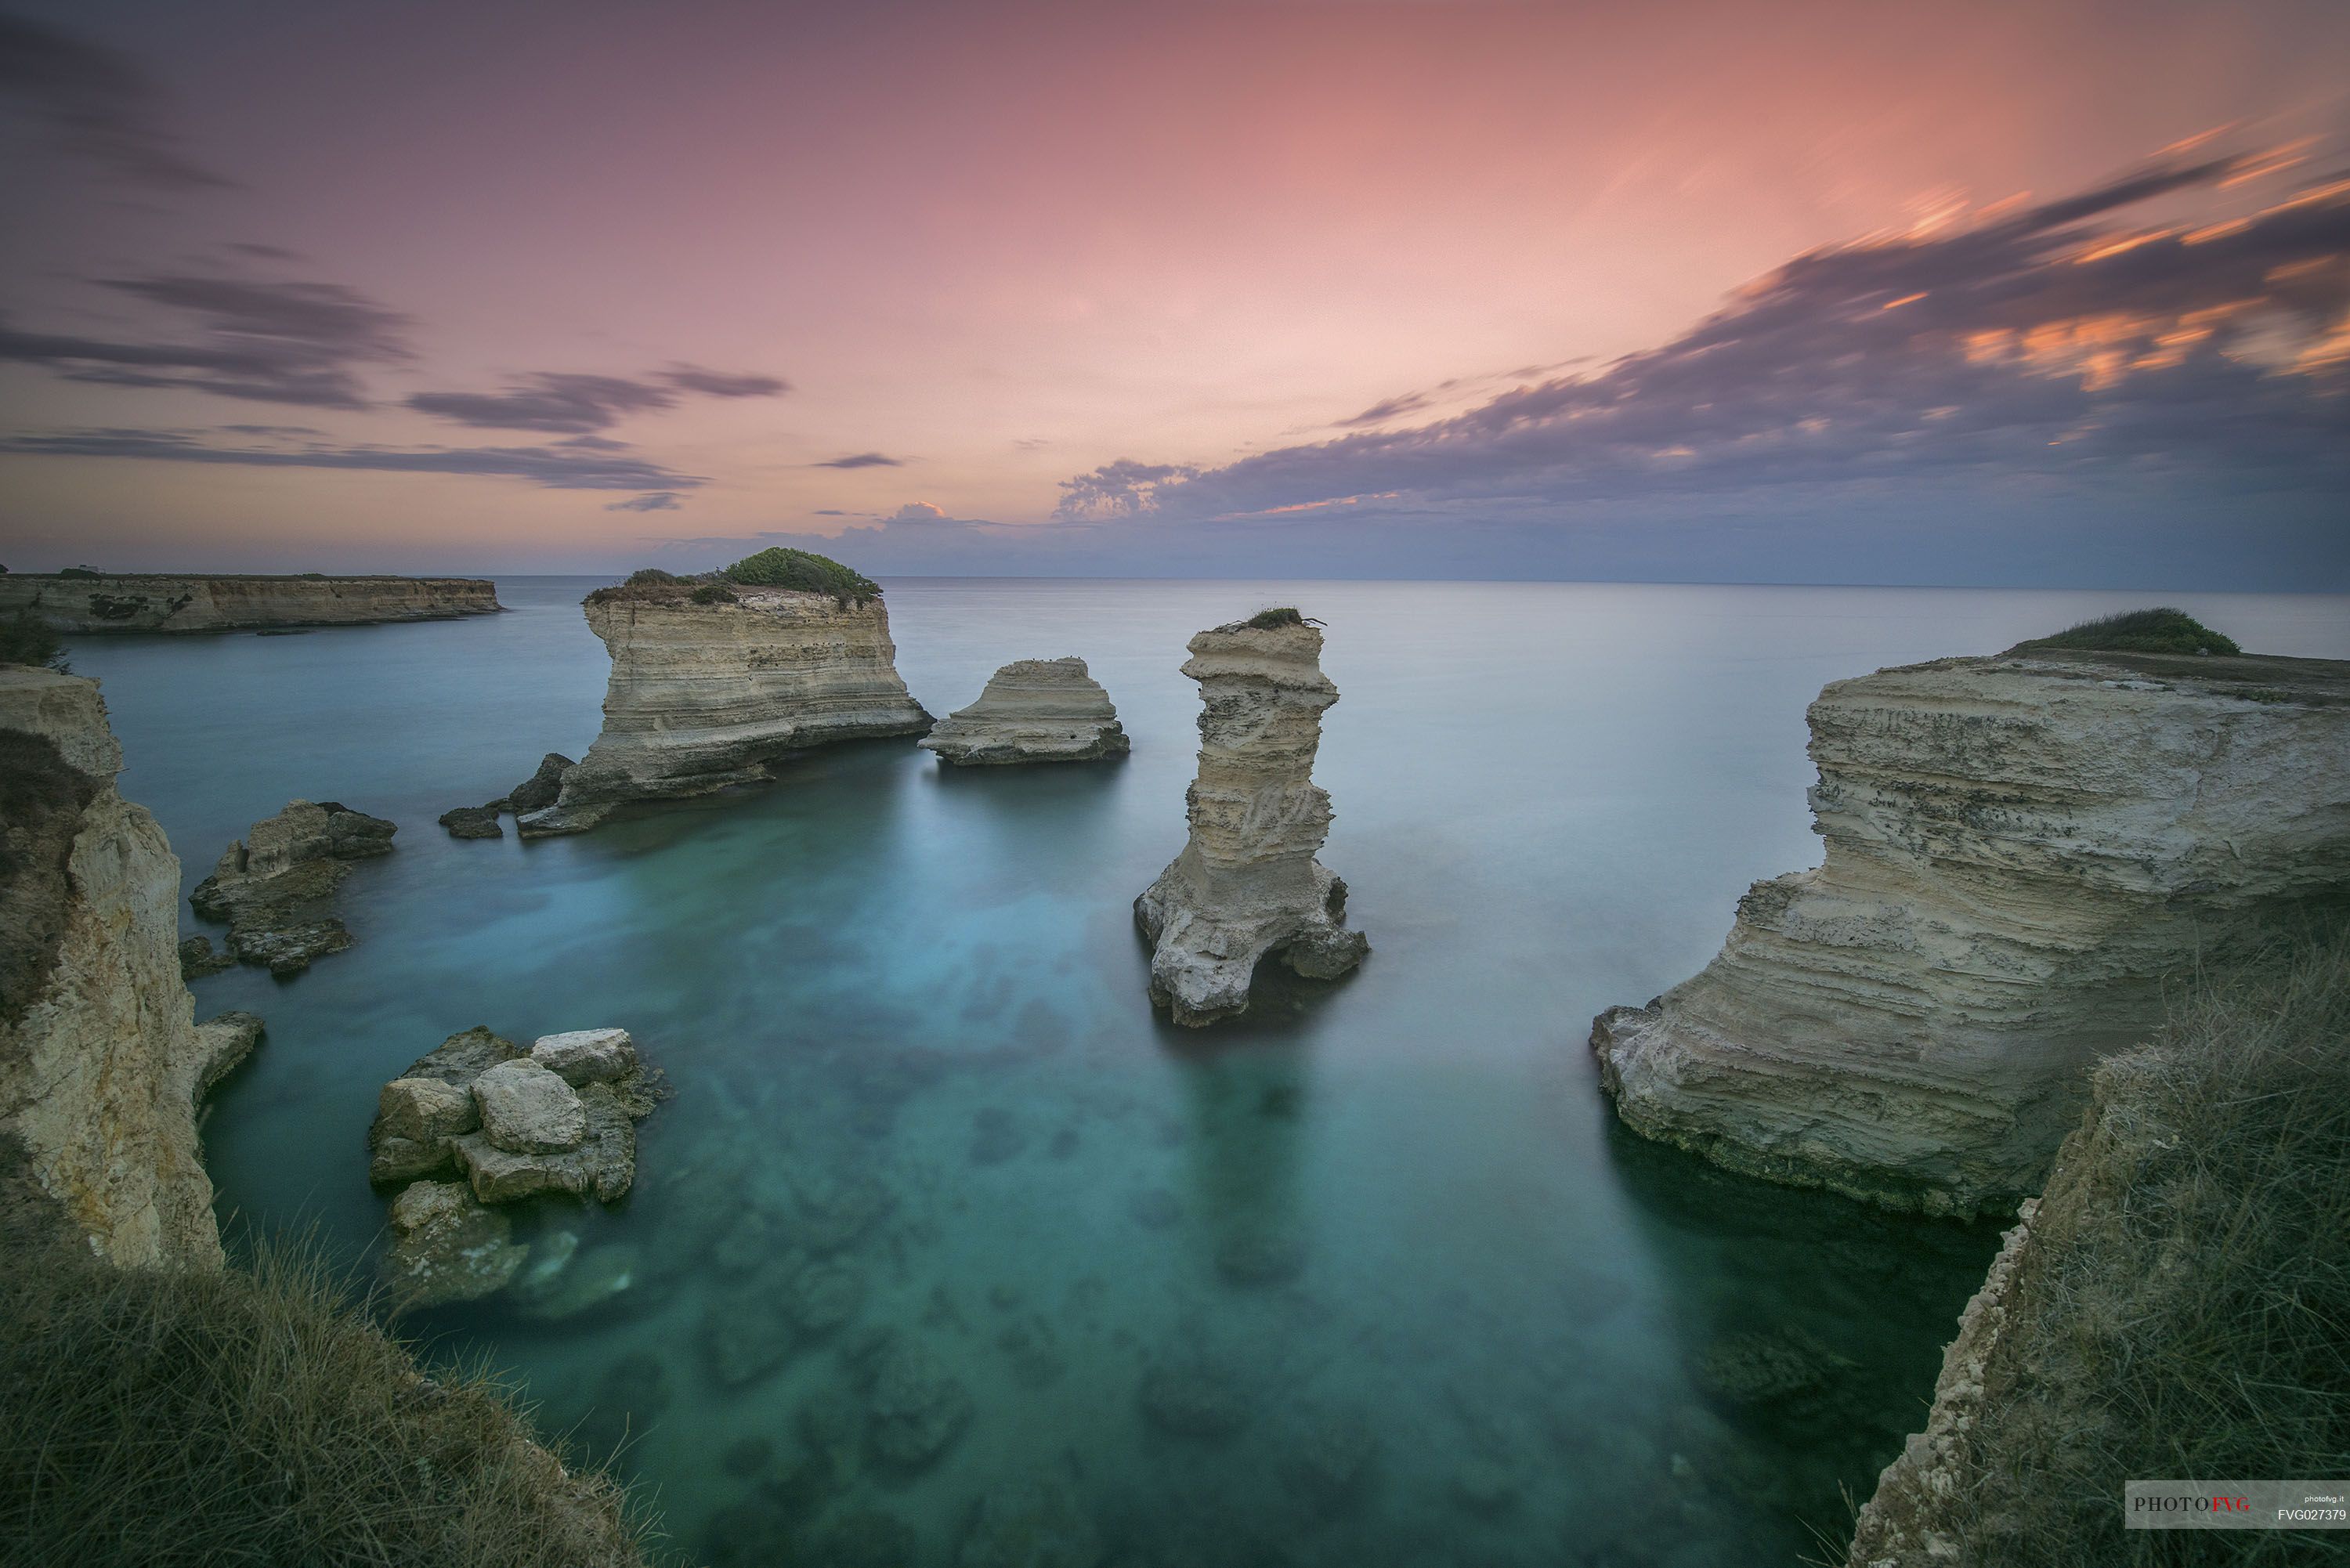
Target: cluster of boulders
pixel 275 887
pixel 479 1122
pixel 535 792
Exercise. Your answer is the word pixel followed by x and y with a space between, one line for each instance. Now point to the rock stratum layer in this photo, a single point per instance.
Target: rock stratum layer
pixel 1247 884
pixel 1033 711
pixel 101 1059
pixel 82 605
pixel 2019 851
pixel 706 696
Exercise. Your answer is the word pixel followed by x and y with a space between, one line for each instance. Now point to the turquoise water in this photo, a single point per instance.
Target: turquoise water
pixel 1372 1278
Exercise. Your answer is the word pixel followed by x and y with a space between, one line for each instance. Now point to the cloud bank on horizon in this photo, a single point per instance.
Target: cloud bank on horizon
pixel 2042 340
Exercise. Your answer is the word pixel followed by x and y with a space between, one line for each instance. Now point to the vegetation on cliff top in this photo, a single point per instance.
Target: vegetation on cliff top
pixel 26 638
pixel 800 571
pixel 190 1416
pixel 777 567
pixel 2178 1309
pixel 2159 630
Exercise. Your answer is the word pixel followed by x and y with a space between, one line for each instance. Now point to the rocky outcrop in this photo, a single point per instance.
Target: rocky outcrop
pixel 1033 711
pixel 2020 851
pixel 1247 885
pixel 275 888
pixel 80 605
pixel 101 1060
pixel 536 793
pixel 705 695
pixel 479 1121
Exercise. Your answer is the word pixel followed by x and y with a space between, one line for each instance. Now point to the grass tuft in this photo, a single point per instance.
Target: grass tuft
pixel 2179 1308
pixel 162 1417
pixel 2158 630
pixel 1280 616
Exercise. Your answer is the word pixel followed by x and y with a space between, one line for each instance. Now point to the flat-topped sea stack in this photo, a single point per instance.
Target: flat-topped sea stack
pixel 1033 711
pixel 2021 852
pixel 81 604
pixel 1247 885
pixel 714 682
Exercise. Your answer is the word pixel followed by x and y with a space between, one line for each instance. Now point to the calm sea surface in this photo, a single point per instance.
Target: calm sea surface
pixel 1372 1279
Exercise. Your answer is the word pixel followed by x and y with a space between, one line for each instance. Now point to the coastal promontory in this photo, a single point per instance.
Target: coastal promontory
pixel 81 602
pixel 1033 711
pixel 2023 851
pixel 716 681
pixel 1247 883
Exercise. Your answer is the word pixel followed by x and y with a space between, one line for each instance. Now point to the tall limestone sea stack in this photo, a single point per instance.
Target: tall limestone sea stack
pixel 1247 884
pixel 715 681
pixel 2021 852
pixel 1033 711
pixel 101 1059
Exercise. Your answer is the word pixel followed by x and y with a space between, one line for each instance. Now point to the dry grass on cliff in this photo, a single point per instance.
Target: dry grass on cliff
pixel 256 1417
pixel 2184 1308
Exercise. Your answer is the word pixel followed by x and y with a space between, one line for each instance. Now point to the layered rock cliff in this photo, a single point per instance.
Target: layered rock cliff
pixel 83 606
pixel 2020 851
pixel 1247 884
pixel 713 693
pixel 101 1059
pixel 1033 711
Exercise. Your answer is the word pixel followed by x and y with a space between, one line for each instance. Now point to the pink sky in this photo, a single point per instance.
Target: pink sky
pixel 999 244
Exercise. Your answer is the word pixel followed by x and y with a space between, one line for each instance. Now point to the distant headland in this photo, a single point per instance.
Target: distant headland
pixel 80 602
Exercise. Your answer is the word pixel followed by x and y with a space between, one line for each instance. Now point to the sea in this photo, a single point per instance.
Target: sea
pixel 1372 1276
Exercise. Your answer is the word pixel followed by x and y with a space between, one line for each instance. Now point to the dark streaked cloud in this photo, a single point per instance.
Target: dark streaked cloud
pixel 721 384
pixel 1387 409
pixel 263 341
pixel 2047 341
pixel 553 467
pixel 863 460
pixel 657 501
pixel 563 403
pixel 98 102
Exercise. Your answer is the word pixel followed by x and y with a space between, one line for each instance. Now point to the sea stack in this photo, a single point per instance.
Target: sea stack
pixel 276 886
pixel 2022 851
pixel 715 681
pixel 101 1059
pixel 1247 884
pixel 1033 711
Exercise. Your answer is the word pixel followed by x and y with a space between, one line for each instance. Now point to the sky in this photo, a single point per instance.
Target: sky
pixel 1986 294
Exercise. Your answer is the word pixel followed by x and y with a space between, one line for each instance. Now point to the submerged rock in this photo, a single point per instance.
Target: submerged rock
pixel 274 888
pixel 2020 851
pixel 1762 1368
pixel 582 1282
pixel 1033 711
pixel 1196 1399
pixel 1246 884
pixel 1038 1524
pixel 705 695
pixel 473 821
pixel 447 1247
pixel 917 1408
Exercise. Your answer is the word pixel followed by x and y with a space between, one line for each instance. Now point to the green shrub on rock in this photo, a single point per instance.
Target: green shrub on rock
pixel 2159 630
pixel 803 572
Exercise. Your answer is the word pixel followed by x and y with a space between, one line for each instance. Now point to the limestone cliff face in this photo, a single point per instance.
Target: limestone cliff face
pixel 2020 851
pixel 1247 883
pixel 1033 711
pixel 706 696
pixel 83 606
pixel 101 1060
